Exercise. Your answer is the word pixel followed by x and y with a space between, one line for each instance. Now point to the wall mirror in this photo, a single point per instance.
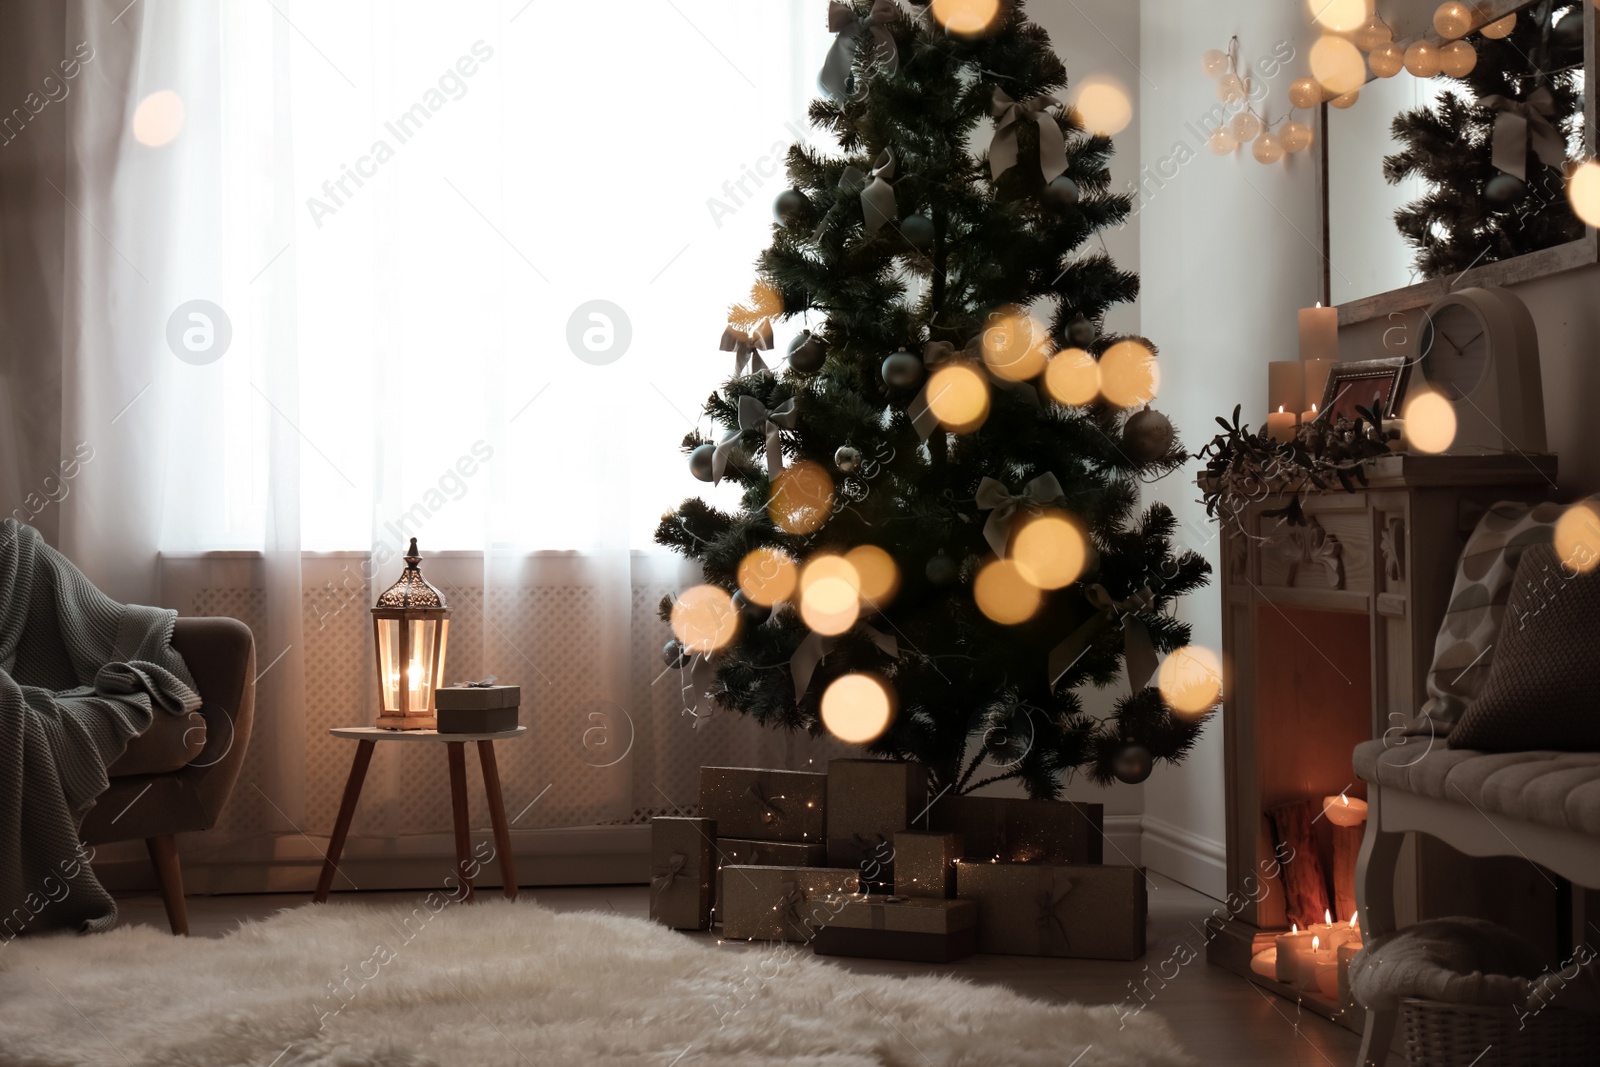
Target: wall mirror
pixel 1447 168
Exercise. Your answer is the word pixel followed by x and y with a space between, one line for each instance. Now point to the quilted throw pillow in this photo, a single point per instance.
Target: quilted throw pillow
pixel 1541 691
pixel 1464 651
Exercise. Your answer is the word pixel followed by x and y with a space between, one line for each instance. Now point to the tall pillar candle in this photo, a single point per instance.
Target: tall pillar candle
pixel 1286 388
pixel 1315 372
pixel 1319 333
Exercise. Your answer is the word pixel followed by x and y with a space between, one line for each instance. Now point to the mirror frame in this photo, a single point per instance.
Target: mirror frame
pixel 1553 260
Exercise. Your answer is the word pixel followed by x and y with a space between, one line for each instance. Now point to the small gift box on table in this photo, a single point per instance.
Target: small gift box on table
pixel 765 805
pixel 869 801
pixel 746 853
pixel 1013 830
pixel 680 871
pixel 925 864
pixel 477 709
pixel 779 903
pixel 1031 909
pixel 918 929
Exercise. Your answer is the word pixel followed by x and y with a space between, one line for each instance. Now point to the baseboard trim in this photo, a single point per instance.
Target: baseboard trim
pixel 1201 863
pixel 1124 845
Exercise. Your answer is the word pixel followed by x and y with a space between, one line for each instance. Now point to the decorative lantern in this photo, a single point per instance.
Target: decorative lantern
pixel 411 625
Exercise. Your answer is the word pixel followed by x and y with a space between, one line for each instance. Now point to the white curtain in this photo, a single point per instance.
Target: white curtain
pixel 426 232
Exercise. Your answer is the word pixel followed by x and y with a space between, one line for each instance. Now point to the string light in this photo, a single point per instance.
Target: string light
pixel 1422 59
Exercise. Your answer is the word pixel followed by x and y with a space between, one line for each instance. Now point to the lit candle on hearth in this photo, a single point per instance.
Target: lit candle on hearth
pixel 1319 333
pixel 1281 425
pixel 1342 811
pixel 1324 970
pixel 1293 948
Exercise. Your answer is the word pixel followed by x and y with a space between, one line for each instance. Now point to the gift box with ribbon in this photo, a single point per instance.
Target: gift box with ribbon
pixel 746 853
pixel 680 871
pixel 869 801
pixel 1013 830
pixel 919 929
pixel 925 864
pixel 477 707
pixel 765 805
pixel 1026 909
pixel 779 903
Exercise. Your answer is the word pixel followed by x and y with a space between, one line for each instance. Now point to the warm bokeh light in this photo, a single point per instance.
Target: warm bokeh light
pixel 830 594
pixel 1337 65
pixel 1577 537
pixel 158 118
pixel 1104 106
pixel 1430 422
pixel 1457 59
pixel 876 574
pixel 704 618
pixel 1305 92
pixel 1373 33
pixel 1500 27
pixel 1387 60
pixel 1583 192
pixel 966 18
pixel 1452 19
pixel 1004 594
pixel 1296 136
pixel 1340 16
pixel 1049 551
pixel 857 707
pixel 1222 141
pixel 1128 374
pixel 764 302
pixel 1190 680
pixel 958 397
pixel 1014 347
pixel 1422 59
pixel 768 575
pixel 802 498
pixel 1073 377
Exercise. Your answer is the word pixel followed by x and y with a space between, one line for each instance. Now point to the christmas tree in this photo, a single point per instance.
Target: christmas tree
pixel 1494 156
pixel 968 474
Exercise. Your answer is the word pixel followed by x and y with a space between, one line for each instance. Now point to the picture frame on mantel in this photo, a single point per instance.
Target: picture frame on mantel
pixel 1584 251
pixel 1361 383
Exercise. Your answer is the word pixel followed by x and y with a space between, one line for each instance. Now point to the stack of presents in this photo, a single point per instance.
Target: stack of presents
pixel 860 861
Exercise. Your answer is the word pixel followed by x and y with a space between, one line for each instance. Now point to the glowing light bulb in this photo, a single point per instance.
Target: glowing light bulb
pixel 1305 92
pixel 1422 59
pixel 1073 377
pixel 1387 60
pixel 857 708
pixel 1190 680
pixel 1337 65
pixel 1457 59
pixel 1452 19
pixel 1430 423
pixel 1296 136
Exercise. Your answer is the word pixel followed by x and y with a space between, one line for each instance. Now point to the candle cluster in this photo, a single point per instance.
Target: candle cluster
pixel 1295 387
pixel 1319 956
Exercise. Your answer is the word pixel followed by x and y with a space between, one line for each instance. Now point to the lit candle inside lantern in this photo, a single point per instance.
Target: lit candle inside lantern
pixel 1319 333
pixel 1293 948
pixel 1281 425
pixel 1342 811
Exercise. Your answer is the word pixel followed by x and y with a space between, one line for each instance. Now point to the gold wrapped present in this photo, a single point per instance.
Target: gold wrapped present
pixel 919 929
pixel 1030 909
pixel 765 805
pixel 680 871
pixel 1013 830
pixel 745 852
pixel 869 801
pixel 925 864
pixel 779 903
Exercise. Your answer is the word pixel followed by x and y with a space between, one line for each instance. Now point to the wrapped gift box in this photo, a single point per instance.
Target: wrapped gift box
pixel 869 801
pixel 765 805
pixel 680 871
pixel 477 709
pixel 919 929
pixel 779 903
pixel 746 853
pixel 1013 830
pixel 925 864
pixel 1081 912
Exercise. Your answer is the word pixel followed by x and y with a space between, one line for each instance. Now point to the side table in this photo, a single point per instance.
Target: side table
pixel 367 737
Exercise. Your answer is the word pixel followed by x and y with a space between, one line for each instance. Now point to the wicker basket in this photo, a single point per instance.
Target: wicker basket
pixel 1454 1035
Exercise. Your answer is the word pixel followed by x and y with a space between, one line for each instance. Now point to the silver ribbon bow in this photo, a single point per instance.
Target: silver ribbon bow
pixel 877 195
pixel 770 810
pixel 1139 653
pixel 664 876
pixel 1003 149
pixel 1052 924
pixel 1002 505
pixel 483 684
pixel 748 346
pixel 1520 122
pixel 754 416
pixel 790 901
pixel 815 648
pixel 834 80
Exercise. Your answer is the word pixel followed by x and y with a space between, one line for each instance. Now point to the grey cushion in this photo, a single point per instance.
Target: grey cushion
pixel 169 745
pixel 1541 691
pixel 1560 789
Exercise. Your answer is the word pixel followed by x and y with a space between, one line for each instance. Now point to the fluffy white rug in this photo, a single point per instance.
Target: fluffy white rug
pixel 516 985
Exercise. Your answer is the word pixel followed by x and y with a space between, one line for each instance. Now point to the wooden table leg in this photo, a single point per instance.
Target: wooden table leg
pixel 341 825
pixel 458 803
pixel 497 816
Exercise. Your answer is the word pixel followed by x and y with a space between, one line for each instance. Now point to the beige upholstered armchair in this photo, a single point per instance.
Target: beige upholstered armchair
pixel 177 775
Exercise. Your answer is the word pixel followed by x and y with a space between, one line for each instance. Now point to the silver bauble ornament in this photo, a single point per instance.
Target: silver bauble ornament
pixel 791 207
pixel 918 232
pixel 1132 763
pixel 1061 192
pixel 942 570
pixel 674 654
pixel 902 371
pixel 847 459
pixel 1503 190
pixel 700 461
pixel 807 352
pixel 1081 332
pixel 1147 436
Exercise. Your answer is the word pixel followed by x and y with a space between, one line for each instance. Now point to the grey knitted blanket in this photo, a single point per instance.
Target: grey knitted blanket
pixel 80 675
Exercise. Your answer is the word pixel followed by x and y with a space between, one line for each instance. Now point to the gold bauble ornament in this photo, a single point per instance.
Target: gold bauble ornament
pixel 1386 60
pixel 1422 59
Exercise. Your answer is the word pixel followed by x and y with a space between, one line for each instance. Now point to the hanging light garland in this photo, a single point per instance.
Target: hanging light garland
pixel 1270 140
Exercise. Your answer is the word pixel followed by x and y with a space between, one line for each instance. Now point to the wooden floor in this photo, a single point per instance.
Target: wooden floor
pixel 1218 1017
